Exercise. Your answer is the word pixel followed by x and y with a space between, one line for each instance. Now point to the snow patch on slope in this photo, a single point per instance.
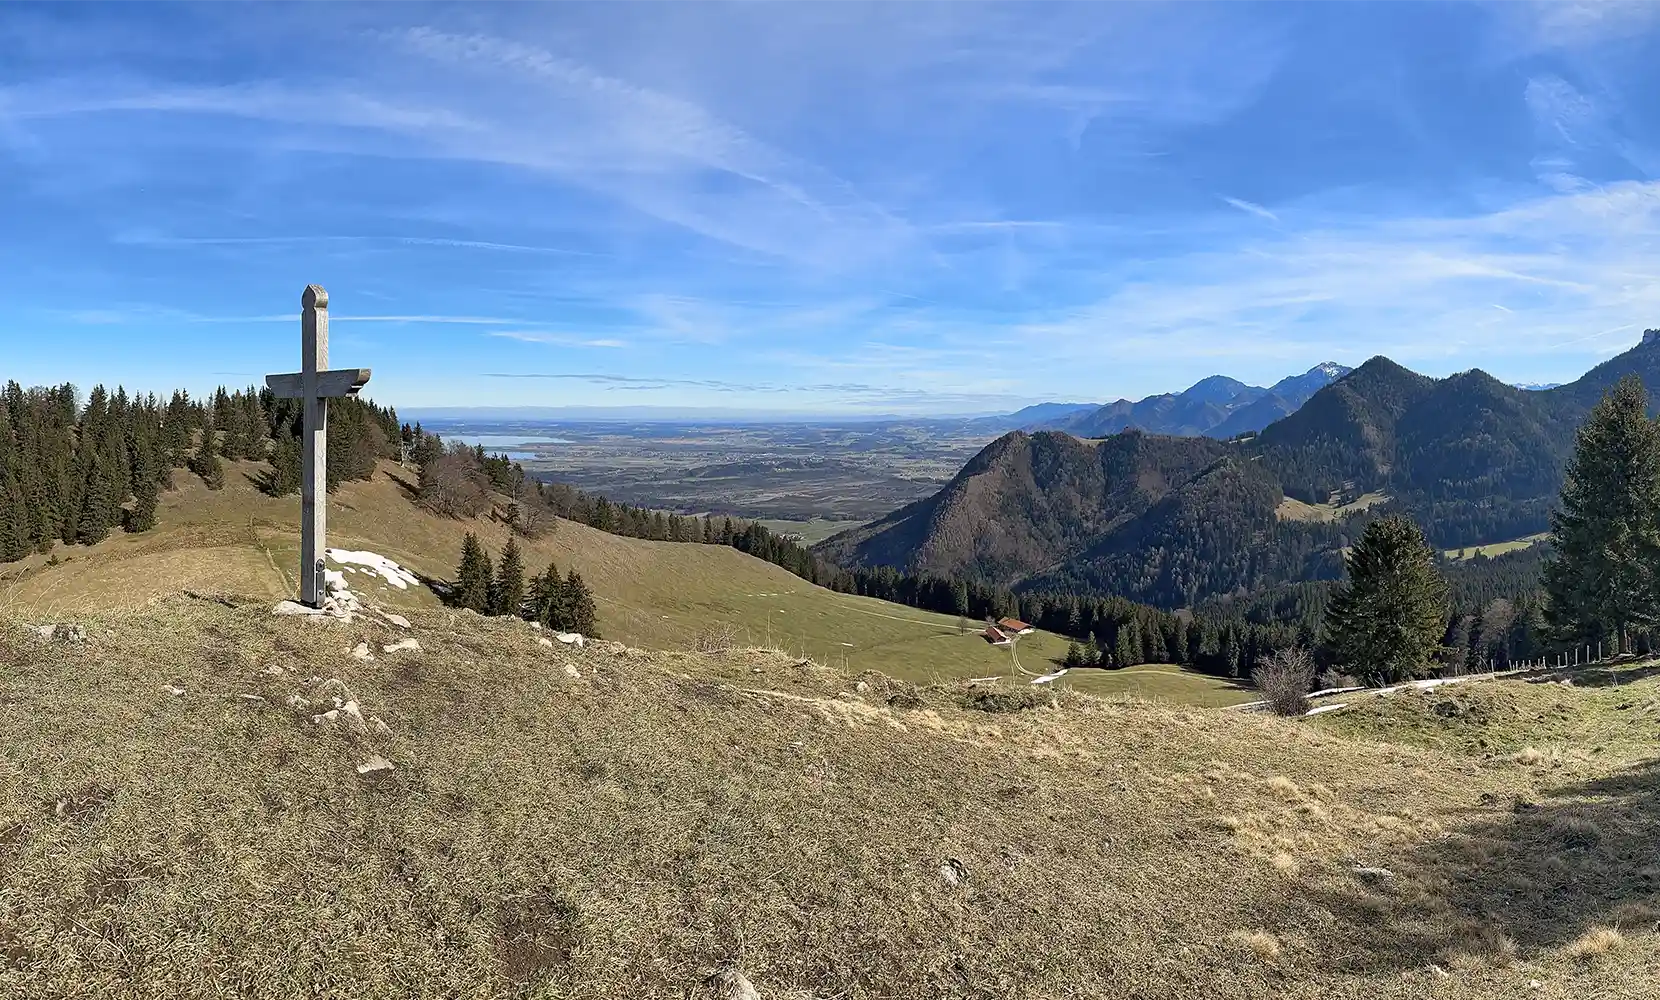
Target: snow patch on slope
pixel 375 563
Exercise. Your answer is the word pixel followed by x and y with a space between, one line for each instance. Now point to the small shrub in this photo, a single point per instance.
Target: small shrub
pixel 717 638
pixel 1284 678
pixel 907 698
pixel 1529 756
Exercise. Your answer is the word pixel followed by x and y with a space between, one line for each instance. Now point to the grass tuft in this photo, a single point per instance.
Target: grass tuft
pixel 1596 942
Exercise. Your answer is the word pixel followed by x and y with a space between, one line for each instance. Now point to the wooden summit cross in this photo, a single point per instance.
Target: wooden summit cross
pixel 314 384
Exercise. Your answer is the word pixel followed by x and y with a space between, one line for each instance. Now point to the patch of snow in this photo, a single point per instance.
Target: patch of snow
pixel 398 620
pixel 1331 691
pixel 401 645
pixel 373 562
pixel 570 639
pixel 1050 678
pixel 1319 709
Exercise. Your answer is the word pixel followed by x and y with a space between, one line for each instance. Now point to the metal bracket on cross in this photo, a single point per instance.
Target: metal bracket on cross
pixel 315 384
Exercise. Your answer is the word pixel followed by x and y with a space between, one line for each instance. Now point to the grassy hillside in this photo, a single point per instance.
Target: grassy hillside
pixel 657 594
pixel 613 823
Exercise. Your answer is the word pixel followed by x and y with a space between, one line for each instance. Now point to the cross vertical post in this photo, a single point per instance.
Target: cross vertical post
pixel 314 350
pixel 312 385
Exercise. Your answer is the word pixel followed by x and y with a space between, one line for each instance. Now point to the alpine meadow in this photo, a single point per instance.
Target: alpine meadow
pixel 829 501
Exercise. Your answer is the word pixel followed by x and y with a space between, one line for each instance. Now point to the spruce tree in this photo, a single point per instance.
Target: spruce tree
pixel 206 464
pixel 1391 612
pixel 286 474
pixel 473 578
pixel 544 596
pixel 1603 578
pixel 579 606
pixel 507 594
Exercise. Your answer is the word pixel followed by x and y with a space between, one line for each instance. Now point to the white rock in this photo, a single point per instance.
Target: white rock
pixel 536 625
pixel 350 708
pixel 361 651
pixel 292 608
pixel 570 638
pixel 329 716
pixel 374 765
pixel 295 701
pixel 545 641
pixel 571 671
pixel 398 620
pixel 252 699
pixel 273 670
pixel 379 726
pixel 953 872
pixel 401 645
pixel 174 691
pixel 861 687
pixel 1372 873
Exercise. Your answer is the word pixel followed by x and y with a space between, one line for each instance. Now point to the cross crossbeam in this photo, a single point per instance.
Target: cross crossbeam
pixel 315 384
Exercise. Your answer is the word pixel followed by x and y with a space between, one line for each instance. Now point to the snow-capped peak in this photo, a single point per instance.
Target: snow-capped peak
pixel 1331 369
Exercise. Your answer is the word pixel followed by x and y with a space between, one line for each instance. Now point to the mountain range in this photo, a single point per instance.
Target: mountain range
pixel 1175 520
pixel 1218 407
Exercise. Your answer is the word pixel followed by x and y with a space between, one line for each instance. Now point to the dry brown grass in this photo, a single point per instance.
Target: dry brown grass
pixel 633 825
pixel 1595 943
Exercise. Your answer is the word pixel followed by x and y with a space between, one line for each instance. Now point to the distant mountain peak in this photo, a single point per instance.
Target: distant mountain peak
pixel 1330 369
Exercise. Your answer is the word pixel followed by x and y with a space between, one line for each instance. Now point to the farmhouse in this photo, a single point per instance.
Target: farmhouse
pixel 1005 630
pixel 995 636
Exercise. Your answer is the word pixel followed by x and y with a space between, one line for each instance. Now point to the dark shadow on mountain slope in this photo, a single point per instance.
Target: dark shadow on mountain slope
pixel 1539 874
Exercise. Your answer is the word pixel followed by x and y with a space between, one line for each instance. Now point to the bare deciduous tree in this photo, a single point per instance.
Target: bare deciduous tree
pixel 1284 679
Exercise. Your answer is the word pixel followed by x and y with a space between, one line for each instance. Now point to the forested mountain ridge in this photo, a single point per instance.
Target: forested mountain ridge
pixel 1027 502
pixel 1473 460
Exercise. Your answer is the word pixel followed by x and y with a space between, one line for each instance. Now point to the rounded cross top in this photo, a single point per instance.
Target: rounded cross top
pixel 314 296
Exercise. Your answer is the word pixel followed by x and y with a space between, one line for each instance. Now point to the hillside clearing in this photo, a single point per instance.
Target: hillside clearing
pixel 663 595
pixel 1291 509
pixel 608 822
pixel 1496 549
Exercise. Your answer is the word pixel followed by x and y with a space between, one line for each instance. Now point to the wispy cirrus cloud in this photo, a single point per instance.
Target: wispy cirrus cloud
pixel 1014 201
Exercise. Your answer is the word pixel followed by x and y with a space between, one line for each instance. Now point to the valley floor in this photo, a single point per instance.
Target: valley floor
pixel 611 822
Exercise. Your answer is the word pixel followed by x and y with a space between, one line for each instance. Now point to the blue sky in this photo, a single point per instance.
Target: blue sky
pixel 953 207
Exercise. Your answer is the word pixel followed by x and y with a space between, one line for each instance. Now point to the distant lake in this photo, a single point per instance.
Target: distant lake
pixel 502 440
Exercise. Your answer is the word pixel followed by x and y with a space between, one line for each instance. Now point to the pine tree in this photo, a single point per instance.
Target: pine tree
pixel 286 474
pixel 507 593
pixel 1391 613
pixel 1603 579
pixel 146 484
pixel 473 578
pixel 579 606
pixel 1074 655
pixel 206 464
pixel 544 604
